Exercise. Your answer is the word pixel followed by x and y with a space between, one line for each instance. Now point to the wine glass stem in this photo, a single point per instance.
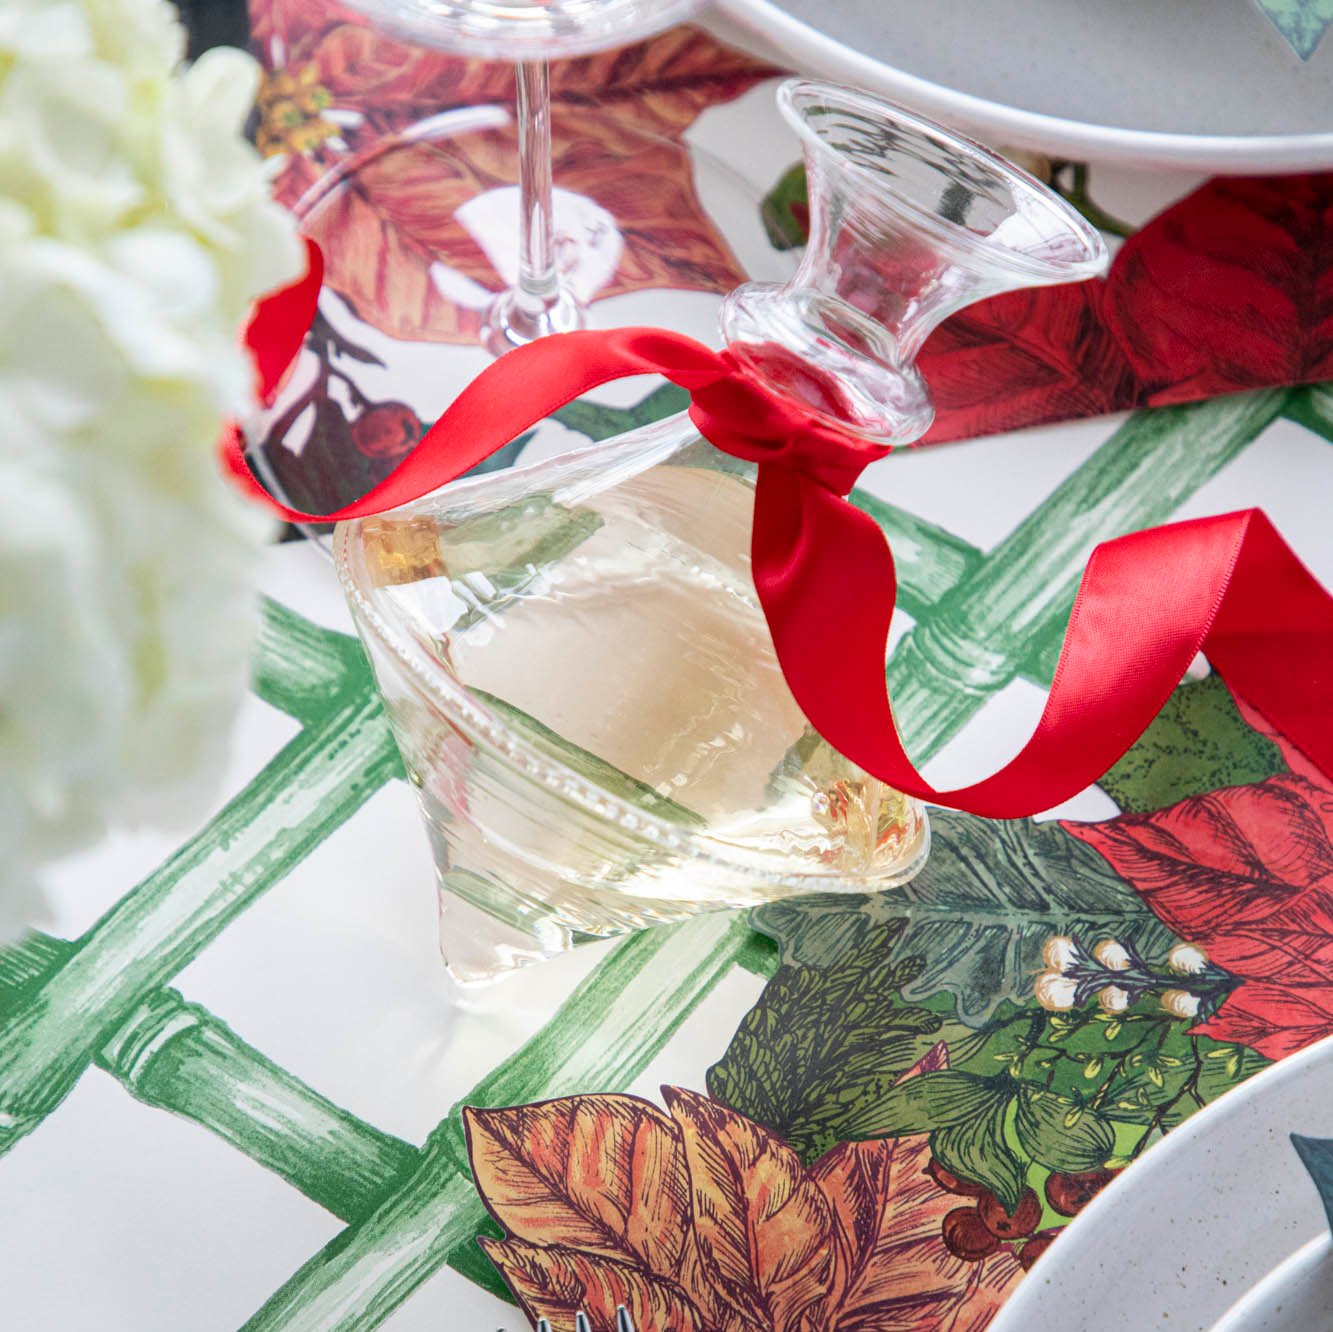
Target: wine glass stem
pixel 538 282
pixel 537 304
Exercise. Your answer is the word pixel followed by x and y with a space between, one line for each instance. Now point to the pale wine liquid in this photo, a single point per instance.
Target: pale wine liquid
pixel 623 639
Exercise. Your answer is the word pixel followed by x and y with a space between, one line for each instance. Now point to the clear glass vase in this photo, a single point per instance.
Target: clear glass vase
pixel 573 657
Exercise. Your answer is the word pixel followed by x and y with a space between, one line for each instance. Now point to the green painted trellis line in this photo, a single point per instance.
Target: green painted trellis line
pixel 1145 470
pixel 953 561
pixel 52 1028
pixel 179 1057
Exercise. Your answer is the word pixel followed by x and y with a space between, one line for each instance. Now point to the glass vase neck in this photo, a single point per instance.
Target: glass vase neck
pixel 909 223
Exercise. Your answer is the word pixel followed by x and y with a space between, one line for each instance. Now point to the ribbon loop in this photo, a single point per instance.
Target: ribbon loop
pixel 793 421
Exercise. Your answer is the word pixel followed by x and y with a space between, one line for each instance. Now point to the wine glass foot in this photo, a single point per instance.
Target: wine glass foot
pixel 514 319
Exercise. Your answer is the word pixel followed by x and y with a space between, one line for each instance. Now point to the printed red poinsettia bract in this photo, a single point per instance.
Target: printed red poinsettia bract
pixel 1247 874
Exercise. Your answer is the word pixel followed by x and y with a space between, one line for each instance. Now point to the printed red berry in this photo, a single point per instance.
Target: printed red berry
pixel 1033 1249
pixel 1010 1225
pixel 1070 1194
pixel 386 430
pixel 966 1236
pixel 950 1182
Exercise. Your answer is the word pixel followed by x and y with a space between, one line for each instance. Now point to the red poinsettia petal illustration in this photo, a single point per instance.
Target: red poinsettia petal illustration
pixel 1232 288
pixel 1229 289
pixel 1274 1019
pixel 669 78
pixel 394 240
pixel 366 70
pixel 1247 873
pixel 1023 359
pixel 1294 758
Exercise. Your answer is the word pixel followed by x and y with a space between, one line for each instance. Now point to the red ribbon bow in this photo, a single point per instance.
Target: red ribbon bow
pixel 1148 602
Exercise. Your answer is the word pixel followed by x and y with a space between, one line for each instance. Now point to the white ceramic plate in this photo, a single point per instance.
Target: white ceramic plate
pixel 1205 85
pixel 1191 1237
pixel 1297 1296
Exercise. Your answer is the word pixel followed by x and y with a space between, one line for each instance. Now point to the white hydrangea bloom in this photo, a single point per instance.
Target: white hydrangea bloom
pixel 135 232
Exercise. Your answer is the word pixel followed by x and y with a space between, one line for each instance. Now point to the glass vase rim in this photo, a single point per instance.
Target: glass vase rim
pixel 485 726
pixel 796 95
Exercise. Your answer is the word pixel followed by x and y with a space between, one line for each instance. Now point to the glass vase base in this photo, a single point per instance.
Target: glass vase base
pixel 478 948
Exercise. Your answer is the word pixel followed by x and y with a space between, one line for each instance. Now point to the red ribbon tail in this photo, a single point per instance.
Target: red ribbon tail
pixel 1272 641
pixel 1148 602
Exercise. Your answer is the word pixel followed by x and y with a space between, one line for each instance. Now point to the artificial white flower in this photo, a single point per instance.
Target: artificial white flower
pixel 135 232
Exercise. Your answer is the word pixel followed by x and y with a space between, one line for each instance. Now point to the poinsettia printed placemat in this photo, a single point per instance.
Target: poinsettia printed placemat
pixel 233 1077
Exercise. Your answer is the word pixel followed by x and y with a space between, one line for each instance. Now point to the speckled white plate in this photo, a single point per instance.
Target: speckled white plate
pixel 1204 85
pixel 1296 1296
pixel 1209 1231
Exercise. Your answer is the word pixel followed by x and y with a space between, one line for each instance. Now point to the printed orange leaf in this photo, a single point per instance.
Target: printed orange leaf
pixel 707 1222
pixel 893 1270
pixel 895 1274
pixel 604 1174
pixel 762 1223
pixel 554 1282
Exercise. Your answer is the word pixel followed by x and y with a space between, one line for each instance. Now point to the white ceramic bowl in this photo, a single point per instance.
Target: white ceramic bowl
pixel 1204 1220
pixel 1206 85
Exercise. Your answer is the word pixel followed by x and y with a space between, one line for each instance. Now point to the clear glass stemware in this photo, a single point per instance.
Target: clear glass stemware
pixel 529 33
pixel 572 654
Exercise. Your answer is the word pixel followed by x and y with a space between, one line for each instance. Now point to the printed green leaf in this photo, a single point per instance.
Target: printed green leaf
pixel 990 896
pixel 1198 743
pixel 1058 1133
pixel 1302 22
pixel 821 1044
pixel 1221 1067
pixel 785 211
pixel 924 1103
pixel 977 1150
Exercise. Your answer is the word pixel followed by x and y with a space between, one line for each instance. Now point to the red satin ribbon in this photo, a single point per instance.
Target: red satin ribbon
pixel 1228 586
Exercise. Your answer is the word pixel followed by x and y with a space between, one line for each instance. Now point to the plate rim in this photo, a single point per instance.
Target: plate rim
pixel 1017 1315
pixel 1248 154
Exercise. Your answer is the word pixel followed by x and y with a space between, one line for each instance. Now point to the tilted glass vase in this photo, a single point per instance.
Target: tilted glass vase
pixel 573 656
